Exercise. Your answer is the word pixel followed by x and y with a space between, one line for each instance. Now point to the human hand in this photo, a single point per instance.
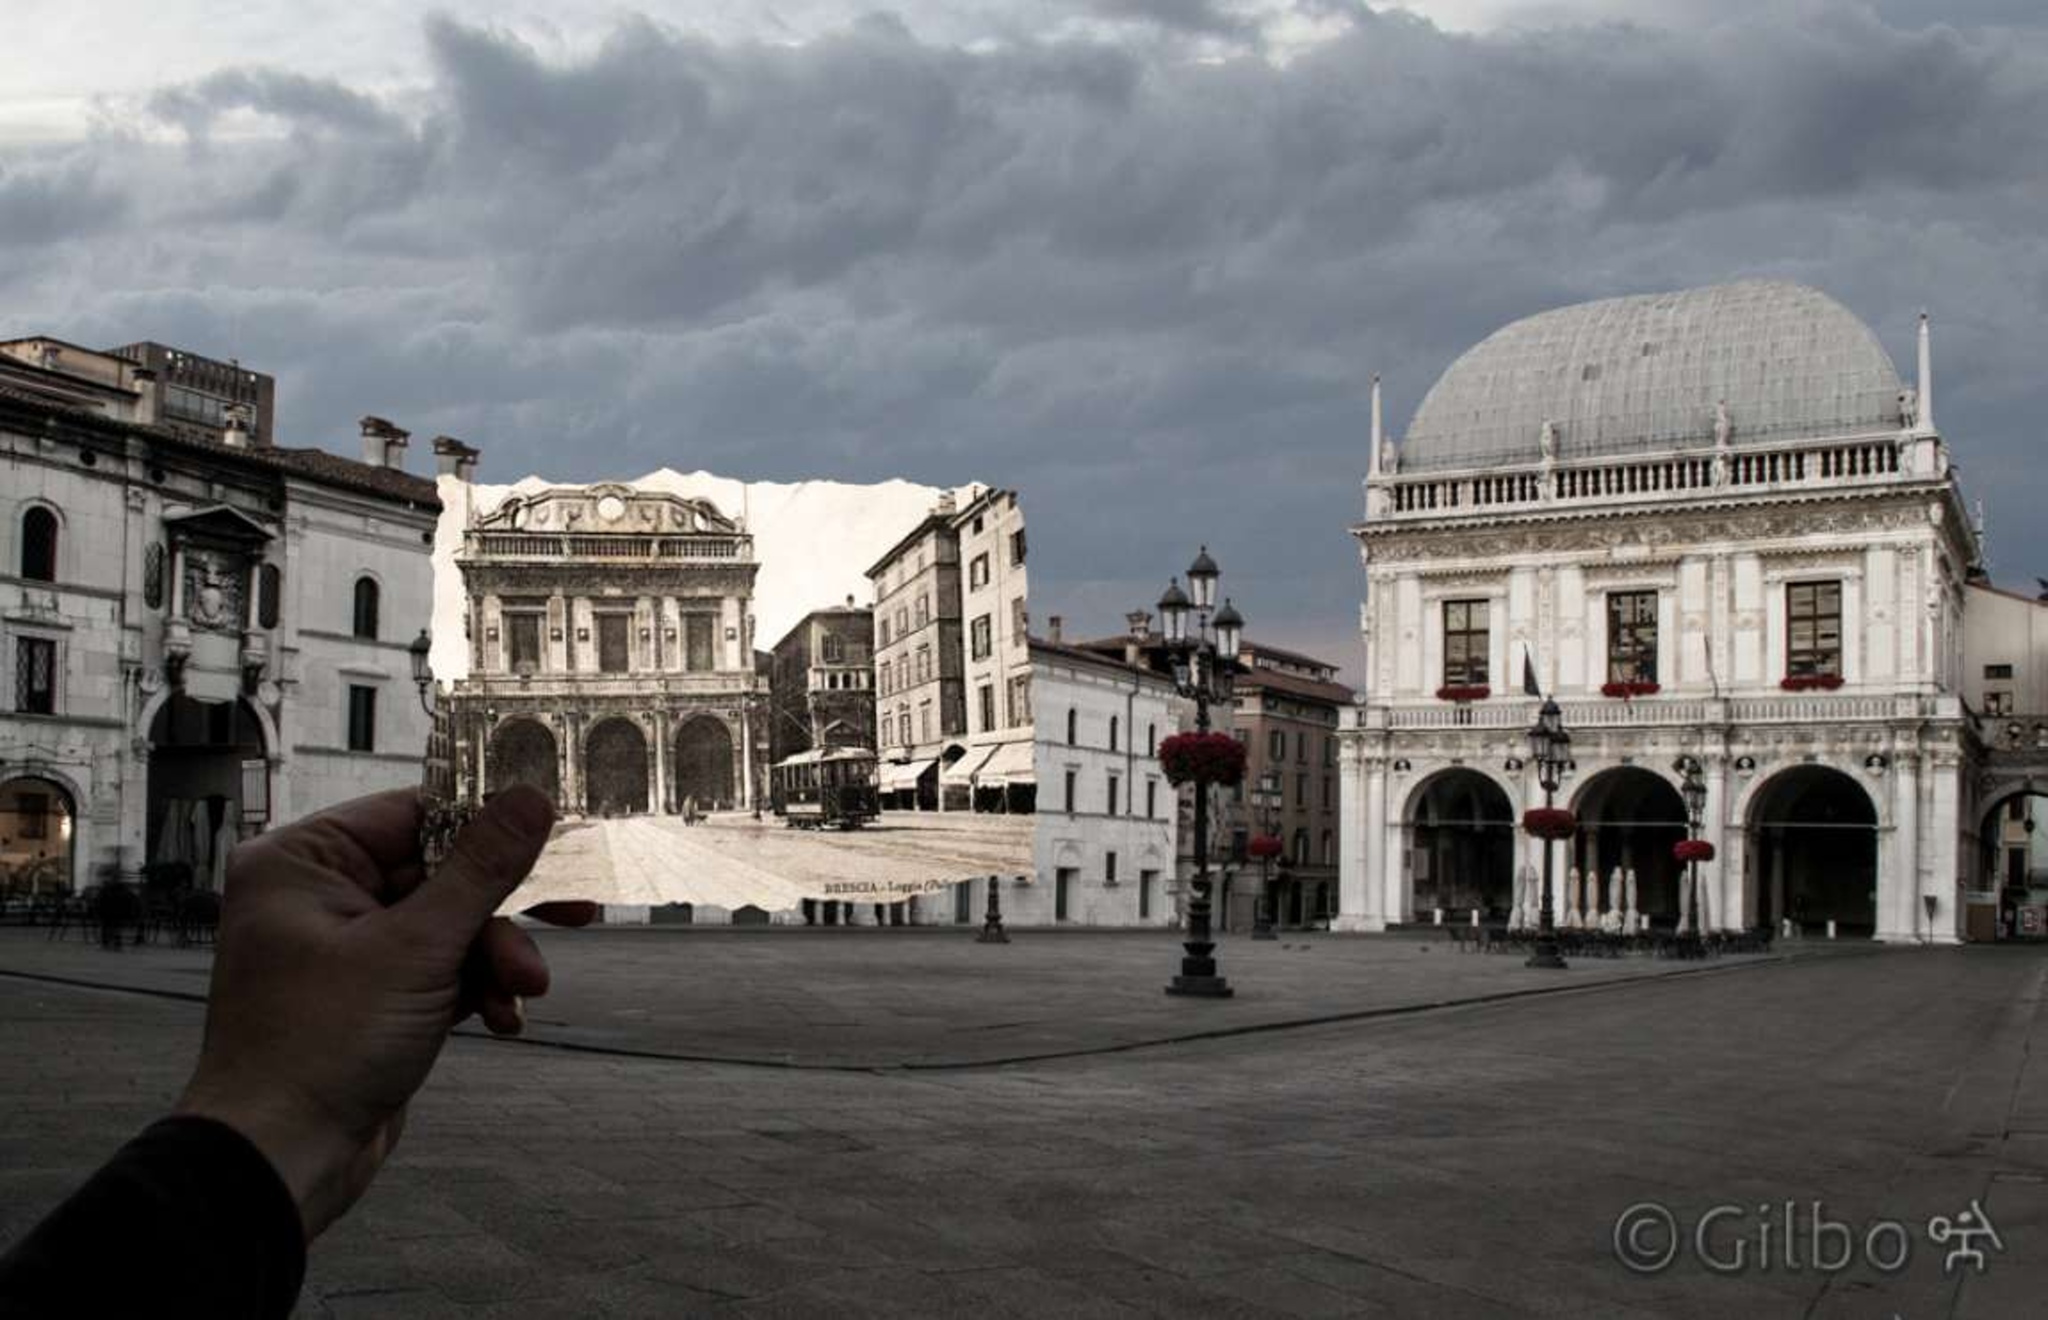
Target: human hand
pixel 341 969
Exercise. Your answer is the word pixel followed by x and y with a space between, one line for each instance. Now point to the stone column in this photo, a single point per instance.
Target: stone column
pixel 1942 826
pixel 659 801
pixel 746 758
pixel 1726 906
pixel 1900 917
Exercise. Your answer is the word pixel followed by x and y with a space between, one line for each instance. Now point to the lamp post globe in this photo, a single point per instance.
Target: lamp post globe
pixel 1173 614
pixel 1229 630
pixel 422 670
pixel 1202 575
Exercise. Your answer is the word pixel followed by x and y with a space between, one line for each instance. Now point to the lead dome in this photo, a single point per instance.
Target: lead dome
pixel 1647 373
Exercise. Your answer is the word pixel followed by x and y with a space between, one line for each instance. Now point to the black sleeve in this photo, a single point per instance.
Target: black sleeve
pixel 189 1218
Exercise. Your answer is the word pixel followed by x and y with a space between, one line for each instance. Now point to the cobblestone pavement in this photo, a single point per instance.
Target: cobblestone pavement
pixel 730 860
pixel 1462 1162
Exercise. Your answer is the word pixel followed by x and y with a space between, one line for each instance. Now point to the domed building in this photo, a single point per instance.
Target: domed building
pixel 1719 528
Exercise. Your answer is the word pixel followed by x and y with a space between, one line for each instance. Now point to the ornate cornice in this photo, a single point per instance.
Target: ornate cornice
pixel 1642 538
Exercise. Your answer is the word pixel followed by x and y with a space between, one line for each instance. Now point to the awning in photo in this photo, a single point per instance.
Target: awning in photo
pixel 899 776
pixel 967 768
pixel 1010 763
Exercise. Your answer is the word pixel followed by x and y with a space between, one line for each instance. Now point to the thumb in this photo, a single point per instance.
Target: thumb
pixel 489 859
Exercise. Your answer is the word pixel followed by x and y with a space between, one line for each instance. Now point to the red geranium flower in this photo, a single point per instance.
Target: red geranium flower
pixel 1693 850
pixel 1202 758
pixel 1464 692
pixel 1550 822
pixel 1264 846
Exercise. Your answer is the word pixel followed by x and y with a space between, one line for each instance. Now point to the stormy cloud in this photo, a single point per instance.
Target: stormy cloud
pixel 1143 270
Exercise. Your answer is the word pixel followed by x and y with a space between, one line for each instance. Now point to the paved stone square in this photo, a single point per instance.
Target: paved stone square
pixel 1466 1160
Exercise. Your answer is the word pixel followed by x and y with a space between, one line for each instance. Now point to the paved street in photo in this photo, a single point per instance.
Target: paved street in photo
pixel 1456 1161
pixel 730 860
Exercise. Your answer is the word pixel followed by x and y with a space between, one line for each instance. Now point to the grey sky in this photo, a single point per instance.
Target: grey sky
pixel 1137 258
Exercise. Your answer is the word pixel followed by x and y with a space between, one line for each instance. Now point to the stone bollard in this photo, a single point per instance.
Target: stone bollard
pixel 1831 928
pixel 1439 915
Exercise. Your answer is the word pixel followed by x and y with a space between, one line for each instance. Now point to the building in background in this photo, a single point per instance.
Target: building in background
pixel 1286 712
pixel 201 632
pixel 1104 848
pixel 920 683
pixel 1718 525
pixel 821 682
pixel 996 773
pixel 611 653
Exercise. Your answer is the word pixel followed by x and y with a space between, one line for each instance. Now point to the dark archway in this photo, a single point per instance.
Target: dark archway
pixel 703 768
pixel 615 768
pixel 523 752
pixel 1812 835
pixel 196 751
pixel 38 836
pixel 1461 834
pixel 1631 818
pixel 2015 866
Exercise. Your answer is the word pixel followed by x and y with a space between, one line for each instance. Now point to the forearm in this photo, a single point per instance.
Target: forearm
pixel 189 1218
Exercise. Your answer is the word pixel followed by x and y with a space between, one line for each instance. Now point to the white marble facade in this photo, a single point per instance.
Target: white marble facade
pixel 1727 499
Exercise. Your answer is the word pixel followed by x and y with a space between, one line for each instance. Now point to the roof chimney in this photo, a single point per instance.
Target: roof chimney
pixel 1052 629
pixel 452 458
pixel 235 435
pixel 947 507
pixel 383 443
pixel 1141 623
pixel 51 356
pixel 143 381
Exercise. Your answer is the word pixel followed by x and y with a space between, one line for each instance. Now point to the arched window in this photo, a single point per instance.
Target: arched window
pixel 366 608
pixel 39 545
pixel 1301 847
pixel 1073 723
pixel 1329 849
pixel 1112 732
pixel 1151 740
pixel 269 588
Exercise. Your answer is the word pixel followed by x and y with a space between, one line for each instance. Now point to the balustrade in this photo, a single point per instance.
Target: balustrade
pixel 1668 477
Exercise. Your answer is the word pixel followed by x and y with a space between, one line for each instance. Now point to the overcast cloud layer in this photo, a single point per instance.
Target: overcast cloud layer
pixel 1137 258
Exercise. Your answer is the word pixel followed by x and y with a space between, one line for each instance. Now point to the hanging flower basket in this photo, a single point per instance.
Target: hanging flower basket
pixel 1464 692
pixel 1202 758
pixel 1629 690
pixel 1265 846
pixel 1550 822
pixel 1810 682
pixel 1693 850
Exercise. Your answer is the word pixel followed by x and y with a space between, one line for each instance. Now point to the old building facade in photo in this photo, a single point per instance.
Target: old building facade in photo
pixel 920 683
pixel 611 653
pixel 996 773
pixel 1718 525
pixel 201 631
pixel 822 684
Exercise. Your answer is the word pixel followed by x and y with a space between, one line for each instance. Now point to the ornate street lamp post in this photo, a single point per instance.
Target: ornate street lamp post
pixel 1266 799
pixel 1550 749
pixel 1693 788
pixel 1203 661
pixel 422 671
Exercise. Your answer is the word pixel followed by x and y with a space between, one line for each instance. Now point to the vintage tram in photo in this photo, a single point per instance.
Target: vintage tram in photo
pixel 828 787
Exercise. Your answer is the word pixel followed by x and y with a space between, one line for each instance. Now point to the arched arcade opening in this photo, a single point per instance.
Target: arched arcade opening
pixel 1460 831
pixel 1812 839
pixel 703 764
pixel 38 838
pixel 615 768
pixel 1629 820
pixel 522 751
